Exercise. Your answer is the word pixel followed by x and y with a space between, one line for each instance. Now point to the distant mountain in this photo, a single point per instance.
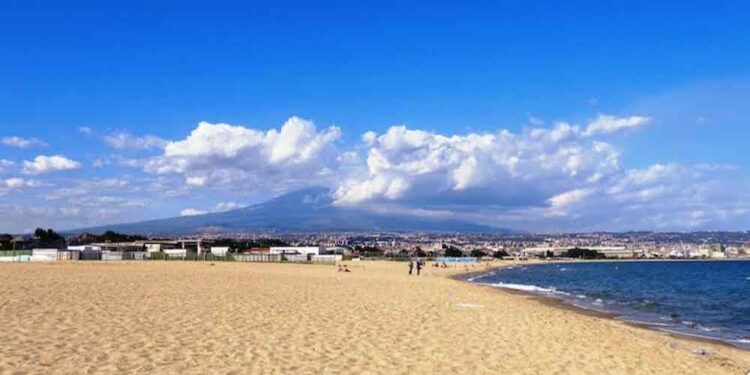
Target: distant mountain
pixel 308 210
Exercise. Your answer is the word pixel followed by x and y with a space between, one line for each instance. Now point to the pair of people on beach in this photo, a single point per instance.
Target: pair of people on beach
pixel 419 264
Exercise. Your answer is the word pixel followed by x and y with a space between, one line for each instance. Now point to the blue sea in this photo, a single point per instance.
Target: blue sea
pixel 709 299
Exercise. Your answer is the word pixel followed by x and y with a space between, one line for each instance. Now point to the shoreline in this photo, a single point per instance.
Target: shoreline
pixel 561 303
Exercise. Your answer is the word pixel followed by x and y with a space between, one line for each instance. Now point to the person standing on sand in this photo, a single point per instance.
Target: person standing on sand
pixel 411 265
pixel 419 266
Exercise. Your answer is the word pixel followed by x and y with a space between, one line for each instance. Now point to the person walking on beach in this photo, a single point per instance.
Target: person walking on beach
pixel 411 265
pixel 419 266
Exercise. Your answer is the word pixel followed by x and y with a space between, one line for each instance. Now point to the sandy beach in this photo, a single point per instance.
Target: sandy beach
pixel 243 318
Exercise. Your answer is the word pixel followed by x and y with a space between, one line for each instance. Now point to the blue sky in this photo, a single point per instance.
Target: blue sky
pixel 138 69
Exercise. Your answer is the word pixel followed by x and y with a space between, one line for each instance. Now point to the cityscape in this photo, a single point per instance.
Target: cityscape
pixel 634 245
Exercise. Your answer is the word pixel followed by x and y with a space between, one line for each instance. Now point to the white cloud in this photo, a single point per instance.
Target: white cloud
pixel 45 164
pixel 220 207
pixel 18 183
pixel 89 188
pixel 107 201
pixel 123 140
pixel 85 130
pixel 406 164
pixel 604 124
pixel 369 137
pixel 20 142
pixel 15 184
pixel 297 154
pixel 191 212
pixel 6 164
pixel 196 180
pixel 226 206
pixel 570 197
pixel 558 178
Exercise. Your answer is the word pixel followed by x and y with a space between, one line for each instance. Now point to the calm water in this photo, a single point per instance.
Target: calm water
pixel 700 298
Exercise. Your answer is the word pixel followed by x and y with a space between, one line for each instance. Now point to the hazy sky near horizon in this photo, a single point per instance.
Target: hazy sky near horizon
pixel 548 116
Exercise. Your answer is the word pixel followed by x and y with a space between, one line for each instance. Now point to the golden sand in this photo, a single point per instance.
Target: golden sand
pixel 241 318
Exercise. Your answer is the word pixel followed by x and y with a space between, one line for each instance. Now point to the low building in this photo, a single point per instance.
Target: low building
pixel 154 246
pixel 613 251
pixel 543 251
pixel 84 248
pixel 337 250
pixel 298 250
pixel 219 250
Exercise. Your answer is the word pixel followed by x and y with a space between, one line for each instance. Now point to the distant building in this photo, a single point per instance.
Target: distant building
pixel 558 251
pixel 84 248
pixel 298 250
pixel 153 246
pixel 613 251
pixel 337 250
pixel 219 250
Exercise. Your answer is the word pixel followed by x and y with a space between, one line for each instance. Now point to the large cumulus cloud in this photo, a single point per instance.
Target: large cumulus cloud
pixel 565 177
pixel 222 154
pixel 501 167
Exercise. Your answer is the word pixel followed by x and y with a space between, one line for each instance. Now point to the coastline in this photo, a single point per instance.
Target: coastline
pixel 561 303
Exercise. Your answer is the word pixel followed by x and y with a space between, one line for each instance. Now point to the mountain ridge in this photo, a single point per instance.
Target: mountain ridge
pixel 306 210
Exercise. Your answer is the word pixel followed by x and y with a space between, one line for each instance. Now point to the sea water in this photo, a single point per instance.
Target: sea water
pixel 709 299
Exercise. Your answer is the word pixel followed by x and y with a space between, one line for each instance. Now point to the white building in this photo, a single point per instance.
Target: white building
pixel 219 250
pixel 613 251
pixel 85 248
pixel 543 251
pixel 298 250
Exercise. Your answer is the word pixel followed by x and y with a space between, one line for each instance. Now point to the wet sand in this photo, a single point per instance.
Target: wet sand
pixel 242 318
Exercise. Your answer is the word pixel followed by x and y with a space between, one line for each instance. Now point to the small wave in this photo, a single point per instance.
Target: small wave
pixel 648 323
pixel 479 277
pixel 707 329
pixel 524 288
pixel 599 294
pixel 580 296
